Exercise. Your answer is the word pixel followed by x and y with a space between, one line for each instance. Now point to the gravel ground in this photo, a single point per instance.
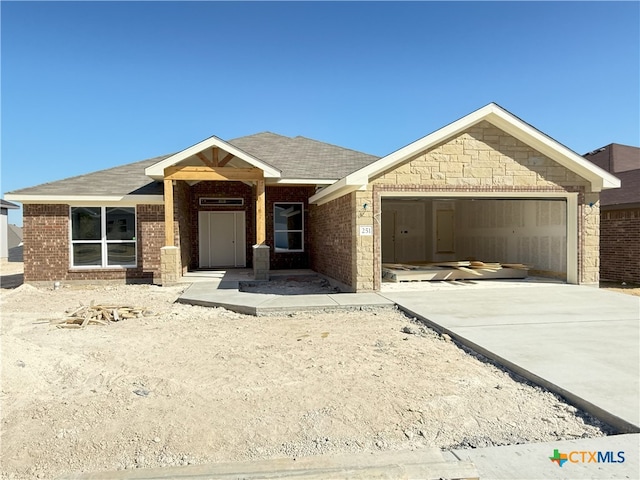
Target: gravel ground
pixel 196 385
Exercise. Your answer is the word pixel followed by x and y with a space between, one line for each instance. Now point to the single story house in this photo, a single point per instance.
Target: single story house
pixel 488 186
pixel 4 227
pixel 620 213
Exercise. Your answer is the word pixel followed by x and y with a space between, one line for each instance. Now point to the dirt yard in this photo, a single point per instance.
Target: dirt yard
pixel 194 385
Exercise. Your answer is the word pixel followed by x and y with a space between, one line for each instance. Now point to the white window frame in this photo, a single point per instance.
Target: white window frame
pixel 103 239
pixel 287 250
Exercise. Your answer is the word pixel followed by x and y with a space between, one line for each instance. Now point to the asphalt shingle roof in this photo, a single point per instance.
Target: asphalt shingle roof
pixel 295 157
pixel 5 204
pixel 123 180
pixel 301 157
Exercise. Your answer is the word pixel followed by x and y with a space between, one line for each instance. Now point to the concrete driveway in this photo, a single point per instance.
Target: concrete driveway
pixel 578 341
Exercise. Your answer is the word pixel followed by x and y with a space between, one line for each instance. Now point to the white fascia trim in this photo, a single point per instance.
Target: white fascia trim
pixel 571 199
pixel 483 194
pixel 89 200
pixel 300 181
pixel 338 189
pixel 156 171
pixel 599 178
pixel 496 115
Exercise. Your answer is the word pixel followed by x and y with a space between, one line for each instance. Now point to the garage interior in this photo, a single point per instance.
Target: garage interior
pixel 417 231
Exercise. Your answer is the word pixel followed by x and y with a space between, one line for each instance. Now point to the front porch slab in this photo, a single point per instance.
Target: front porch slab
pixel 226 294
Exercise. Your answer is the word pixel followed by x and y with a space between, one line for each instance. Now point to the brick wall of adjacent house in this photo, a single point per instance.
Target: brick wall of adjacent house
pixel 620 245
pixel 481 159
pixel 46 247
pixel 332 251
pixel 286 260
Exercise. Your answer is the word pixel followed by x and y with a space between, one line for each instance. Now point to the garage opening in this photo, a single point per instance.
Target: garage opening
pixel 513 231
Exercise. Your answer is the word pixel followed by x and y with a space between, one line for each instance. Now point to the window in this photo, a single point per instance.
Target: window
pixel 103 237
pixel 288 227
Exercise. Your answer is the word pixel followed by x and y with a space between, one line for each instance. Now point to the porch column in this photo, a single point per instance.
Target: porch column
pixel 169 254
pixel 168 213
pixel 260 250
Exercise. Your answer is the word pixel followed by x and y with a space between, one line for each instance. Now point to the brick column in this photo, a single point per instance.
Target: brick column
pixel 170 269
pixel 261 262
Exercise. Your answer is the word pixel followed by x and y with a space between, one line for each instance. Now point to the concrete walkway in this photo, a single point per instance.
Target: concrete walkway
pixel 580 342
pixel 426 464
pixel 532 461
pixel 211 289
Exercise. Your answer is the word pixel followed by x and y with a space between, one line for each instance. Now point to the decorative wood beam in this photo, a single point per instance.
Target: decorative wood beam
pixel 225 160
pixel 168 213
pixel 209 173
pixel 205 160
pixel 261 221
pixel 214 157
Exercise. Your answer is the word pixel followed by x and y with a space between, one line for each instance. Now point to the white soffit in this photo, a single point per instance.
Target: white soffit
pixel 156 171
pixel 497 116
pixel 88 199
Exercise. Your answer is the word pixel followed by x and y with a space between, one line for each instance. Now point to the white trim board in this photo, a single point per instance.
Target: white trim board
pixel 571 199
pixel 497 116
pixel 156 171
pixel 89 200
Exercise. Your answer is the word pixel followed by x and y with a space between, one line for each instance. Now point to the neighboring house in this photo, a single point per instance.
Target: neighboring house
pixel 14 242
pixel 4 226
pixel 620 213
pixel 488 186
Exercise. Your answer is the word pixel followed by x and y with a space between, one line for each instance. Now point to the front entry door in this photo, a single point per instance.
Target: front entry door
pixel 221 238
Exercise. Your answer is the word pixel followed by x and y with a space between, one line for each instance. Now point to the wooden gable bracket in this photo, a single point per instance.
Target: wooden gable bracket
pixel 213 173
pixel 205 160
pixel 226 159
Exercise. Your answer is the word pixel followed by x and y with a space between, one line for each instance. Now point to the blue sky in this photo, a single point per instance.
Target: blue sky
pixel 91 85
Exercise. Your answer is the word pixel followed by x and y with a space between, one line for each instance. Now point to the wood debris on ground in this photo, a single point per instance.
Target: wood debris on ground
pixel 417 271
pixel 84 315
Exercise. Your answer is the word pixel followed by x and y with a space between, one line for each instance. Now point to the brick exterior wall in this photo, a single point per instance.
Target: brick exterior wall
pixel 273 194
pixel 333 244
pixel 221 190
pixel 45 235
pixel 482 159
pixel 285 260
pixel 620 245
pixel 46 247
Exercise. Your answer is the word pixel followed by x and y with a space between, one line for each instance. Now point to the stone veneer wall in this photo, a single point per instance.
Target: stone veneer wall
pixel 482 159
pixel 620 245
pixel 333 243
pixel 46 247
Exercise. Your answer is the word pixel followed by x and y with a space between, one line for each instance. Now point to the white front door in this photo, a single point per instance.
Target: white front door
pixel 221 238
